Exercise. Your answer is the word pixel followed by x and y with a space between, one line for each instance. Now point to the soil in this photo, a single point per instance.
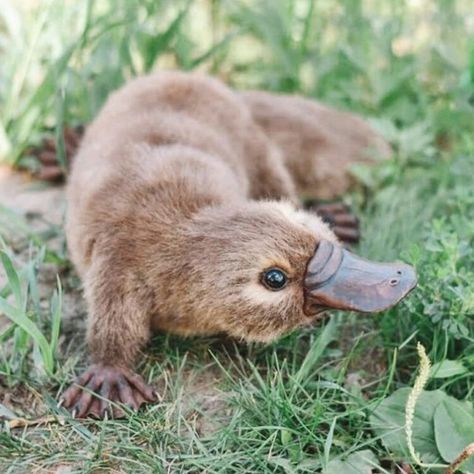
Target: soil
pixel 42 206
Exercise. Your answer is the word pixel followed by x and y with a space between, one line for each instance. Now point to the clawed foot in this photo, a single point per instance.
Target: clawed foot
pixel 111 384
pixel 49 167
pixel 341 221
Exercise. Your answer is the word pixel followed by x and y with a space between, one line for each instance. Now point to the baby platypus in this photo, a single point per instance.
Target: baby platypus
pixel 184 217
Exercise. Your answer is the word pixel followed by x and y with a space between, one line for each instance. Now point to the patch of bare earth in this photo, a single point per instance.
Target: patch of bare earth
pixel 204 404
pixel 368 361
pixel 42 207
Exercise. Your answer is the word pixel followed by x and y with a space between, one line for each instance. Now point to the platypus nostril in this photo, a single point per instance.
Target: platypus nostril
pixel 394 281
pixel 399 272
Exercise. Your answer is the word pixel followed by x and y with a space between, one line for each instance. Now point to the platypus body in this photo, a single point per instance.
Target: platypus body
pixel 184 216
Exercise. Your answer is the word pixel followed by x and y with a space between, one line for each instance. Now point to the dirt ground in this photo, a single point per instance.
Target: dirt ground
pixel 31 198
pixel 42 206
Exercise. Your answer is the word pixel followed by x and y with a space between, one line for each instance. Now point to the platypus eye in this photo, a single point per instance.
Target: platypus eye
pixel 274 279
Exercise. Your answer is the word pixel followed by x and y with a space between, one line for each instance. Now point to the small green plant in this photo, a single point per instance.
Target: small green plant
pixel 26 335
pixel 102 46
pixel 433 427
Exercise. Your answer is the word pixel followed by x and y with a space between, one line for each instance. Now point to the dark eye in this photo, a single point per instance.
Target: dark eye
pixel 274 279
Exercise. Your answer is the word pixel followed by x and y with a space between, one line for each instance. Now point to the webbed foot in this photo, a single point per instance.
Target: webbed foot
pixel 49 167
pixel 340 219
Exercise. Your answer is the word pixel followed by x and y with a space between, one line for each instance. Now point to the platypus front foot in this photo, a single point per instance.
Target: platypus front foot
pixel 340 219
pixel 101 388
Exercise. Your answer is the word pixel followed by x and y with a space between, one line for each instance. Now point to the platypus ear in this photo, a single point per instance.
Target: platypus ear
pixel 336 278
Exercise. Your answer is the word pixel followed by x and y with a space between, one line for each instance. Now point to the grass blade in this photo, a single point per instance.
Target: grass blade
pixel 325 337
pixel 13 278
pixel 25 323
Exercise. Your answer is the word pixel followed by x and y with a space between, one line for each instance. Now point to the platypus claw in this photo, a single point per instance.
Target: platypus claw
pixel 101 389
pixel 340 219
pixel 49 167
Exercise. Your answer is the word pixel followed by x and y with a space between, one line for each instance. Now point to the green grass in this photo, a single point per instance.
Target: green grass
pixel 296 404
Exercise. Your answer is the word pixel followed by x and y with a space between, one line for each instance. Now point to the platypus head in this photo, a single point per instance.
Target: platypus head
pixel 264 268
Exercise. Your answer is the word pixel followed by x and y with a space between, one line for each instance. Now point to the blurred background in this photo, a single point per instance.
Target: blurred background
pixel 60 59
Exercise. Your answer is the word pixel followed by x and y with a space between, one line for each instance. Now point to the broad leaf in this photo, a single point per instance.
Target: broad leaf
pixel 360 462
pixel 388 422
pixel 442 426
pixel 454 430
pixel 447 368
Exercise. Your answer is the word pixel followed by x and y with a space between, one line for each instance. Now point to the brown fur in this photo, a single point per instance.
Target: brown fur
pixel 183 192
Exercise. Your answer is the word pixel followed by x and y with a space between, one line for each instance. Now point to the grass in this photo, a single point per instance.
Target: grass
pixel 295 405
pixel 24 289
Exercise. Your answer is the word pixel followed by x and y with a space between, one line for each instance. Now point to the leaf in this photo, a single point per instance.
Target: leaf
pixel 25 323
pixel 360 462
pixel 44 420
pixel 214 49
pixel 442 425
pixel 13 278
pixel 454 430
pixel 286 437
pixel 388 422
pixel 6 413
pixel 447 368
pixel 56 313
pixel 329 439
pixel 155 45
pixel 327 335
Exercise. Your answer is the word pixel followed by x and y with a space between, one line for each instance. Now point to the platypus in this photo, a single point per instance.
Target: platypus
pixel 184 215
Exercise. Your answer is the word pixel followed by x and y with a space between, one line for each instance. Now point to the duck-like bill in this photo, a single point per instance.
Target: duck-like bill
pixel 336 278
